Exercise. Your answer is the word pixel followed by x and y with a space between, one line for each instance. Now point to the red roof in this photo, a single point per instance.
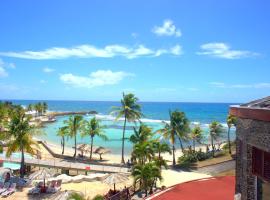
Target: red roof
pixel 221 188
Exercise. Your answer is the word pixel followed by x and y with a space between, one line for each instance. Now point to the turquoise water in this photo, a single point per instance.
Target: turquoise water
pixel 14 166
pixel 154 115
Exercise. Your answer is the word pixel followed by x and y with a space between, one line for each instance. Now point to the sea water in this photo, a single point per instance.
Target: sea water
pixel 155 115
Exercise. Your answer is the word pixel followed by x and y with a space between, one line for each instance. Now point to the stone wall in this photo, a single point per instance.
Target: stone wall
pixel 249 133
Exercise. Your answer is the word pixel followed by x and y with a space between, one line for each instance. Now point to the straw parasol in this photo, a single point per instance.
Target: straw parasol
pixel 101 150
pixel 41 174
pixel 115 178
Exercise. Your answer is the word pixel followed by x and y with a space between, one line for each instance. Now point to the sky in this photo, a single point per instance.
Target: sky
pixel 166 50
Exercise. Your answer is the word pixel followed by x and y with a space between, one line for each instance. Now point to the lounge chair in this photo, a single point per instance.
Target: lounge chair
pixel 5 187
pixel 10 190
pixel 36 189
pixel 55 187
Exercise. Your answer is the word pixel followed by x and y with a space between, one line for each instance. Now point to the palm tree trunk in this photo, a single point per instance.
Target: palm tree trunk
pixel 22 163
pixel 173 148
pixel 159 158
pixel 91 151
pixel 63 147
pixel 75 145
pixel 194 145
pixel 213 147
pixel 229 141
pixel 123 140
pixel 181 144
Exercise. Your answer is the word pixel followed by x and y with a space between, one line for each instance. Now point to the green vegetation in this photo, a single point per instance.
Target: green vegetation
pixel 40 108
pixel 74 124
pixel 20 134
pixel 63 133
pixel 131 111
pixel 231 121
pixel 190 156
pixel 98 197
pixel 178 127
pixel 215 130
pixel 93 128
pixel 76 196
pixel 196 135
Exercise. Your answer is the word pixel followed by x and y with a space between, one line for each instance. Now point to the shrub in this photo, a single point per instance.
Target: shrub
pixel 75 196
pixel 190 157
pixel 98 197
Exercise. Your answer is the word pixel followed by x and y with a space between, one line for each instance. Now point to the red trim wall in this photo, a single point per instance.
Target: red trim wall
pixel 251 113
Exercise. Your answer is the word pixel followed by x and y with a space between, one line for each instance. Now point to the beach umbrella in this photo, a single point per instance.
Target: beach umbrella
pixel 101 150
pixel 41 174
pixel 115 178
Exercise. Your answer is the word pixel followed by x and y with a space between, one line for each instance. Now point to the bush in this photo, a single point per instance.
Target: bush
pixel 190 157
pixel 98 197
pixel 75 196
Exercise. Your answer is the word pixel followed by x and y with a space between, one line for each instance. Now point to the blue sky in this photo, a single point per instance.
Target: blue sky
pixel 199 51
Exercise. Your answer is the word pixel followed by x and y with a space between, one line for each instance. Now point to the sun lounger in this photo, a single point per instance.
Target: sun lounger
pixel 55 188
pixel 6 186
pixel 36 189
pixel 10 190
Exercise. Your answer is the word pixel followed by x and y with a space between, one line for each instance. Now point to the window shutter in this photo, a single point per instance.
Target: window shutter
pixel 257 161
pixel 266 166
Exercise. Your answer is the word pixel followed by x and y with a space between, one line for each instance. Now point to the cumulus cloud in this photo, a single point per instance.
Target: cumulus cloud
pixel 95 79
pixel 240 86
pixel 90 51
pixel 48 70
pixel 167 29
pixel 223 50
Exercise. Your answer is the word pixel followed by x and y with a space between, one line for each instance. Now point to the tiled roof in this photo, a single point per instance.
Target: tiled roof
pixel 260 103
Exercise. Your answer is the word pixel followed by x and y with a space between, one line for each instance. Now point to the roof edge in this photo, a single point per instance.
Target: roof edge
pixel 250 113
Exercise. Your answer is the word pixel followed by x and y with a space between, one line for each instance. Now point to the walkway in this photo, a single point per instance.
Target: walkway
pixel 217 168
pixel 68 165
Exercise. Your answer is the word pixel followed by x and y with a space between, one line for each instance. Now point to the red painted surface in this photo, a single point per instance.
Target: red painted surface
pixel 251 113
pixel 87 168
pixel 218 188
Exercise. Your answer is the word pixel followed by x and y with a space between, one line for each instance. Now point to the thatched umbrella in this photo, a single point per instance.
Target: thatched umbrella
pixel 41 174
pixel 115 178
pixel 101 150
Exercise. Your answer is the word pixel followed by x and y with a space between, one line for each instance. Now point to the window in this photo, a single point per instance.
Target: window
pixel 261 163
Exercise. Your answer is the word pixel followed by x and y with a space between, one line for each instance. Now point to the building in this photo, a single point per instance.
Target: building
pixel 253 149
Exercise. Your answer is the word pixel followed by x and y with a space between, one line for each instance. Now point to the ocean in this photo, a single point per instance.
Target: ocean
pixel 155 113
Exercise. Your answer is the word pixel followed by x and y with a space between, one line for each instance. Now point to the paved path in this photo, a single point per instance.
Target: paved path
pixel 217 168
pixel 64 164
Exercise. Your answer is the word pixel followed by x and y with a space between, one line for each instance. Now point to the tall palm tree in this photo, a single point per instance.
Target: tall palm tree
pixel 147 174
pixel 63 132
pixel 74 124
pixel 142 152
pixel 30 107
pixel 177 127
pixel 131 111
pixel 44 107
pixel 215 129
pixel 93 128
pixel 21 136
pixel 181 124
pixel 143 134
pixel 231 121
pixel 196 135
pixel 161 147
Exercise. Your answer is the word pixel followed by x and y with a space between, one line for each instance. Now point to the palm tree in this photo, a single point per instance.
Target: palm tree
pixel 131 111
pixel 21 136
pixel 74 124
pixel 30 107
pixel 143 134
pixel 63 132
pixel 181 124
pixel 215 129
pixel 161 147
pixel 93 128
pixel 196 135
pixel 178 126
pixel 44 107
pixel 142 152
pixel 147 174
pixel 231 121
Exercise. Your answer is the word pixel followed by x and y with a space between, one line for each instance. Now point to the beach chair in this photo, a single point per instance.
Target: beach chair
pixel 55 187
pixel 5 187
pixel 36 189
pixel 10 190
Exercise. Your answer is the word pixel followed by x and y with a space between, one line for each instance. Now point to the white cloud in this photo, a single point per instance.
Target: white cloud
pixel 3 72
pixel 241 86
pixel 48 70
pixel 89 51
pixel 43 81
pixel 223 50
pixel 167 29
pixel 95 79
